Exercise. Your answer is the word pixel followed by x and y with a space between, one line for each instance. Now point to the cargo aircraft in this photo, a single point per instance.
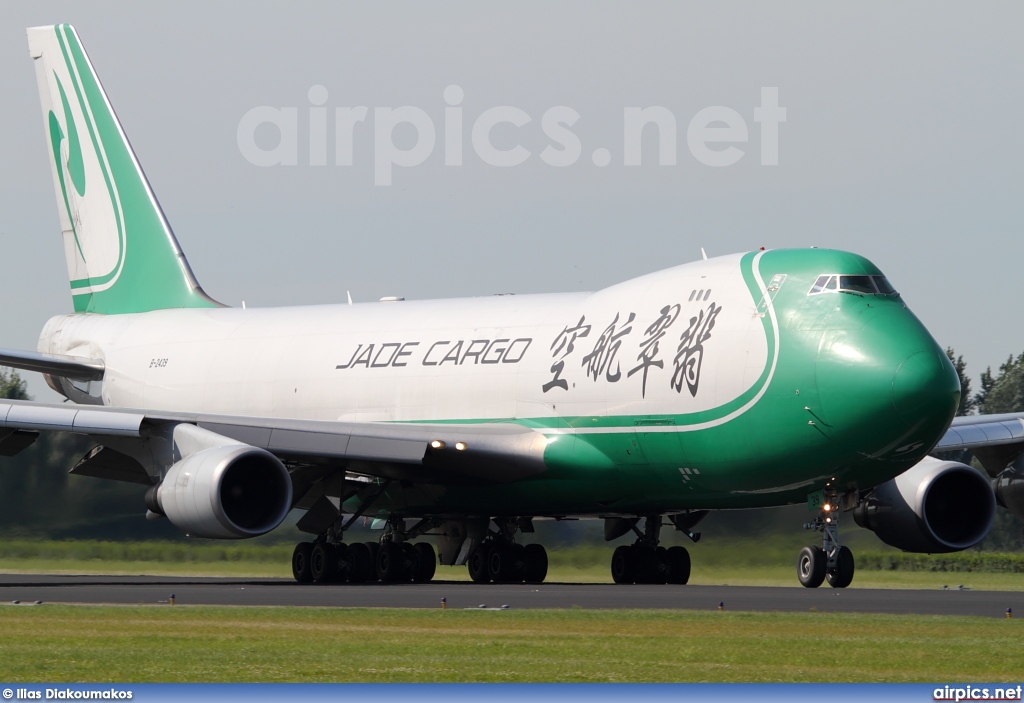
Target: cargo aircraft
pixel 764 378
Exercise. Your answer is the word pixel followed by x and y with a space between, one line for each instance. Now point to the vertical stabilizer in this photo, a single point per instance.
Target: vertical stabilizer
pixel 121 253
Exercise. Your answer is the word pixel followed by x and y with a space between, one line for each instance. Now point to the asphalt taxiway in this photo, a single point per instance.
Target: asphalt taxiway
pixel 29 588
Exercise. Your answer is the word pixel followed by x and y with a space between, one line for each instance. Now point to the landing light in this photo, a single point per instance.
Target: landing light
pixel 827 507
pixel 461 446
pixel 437 444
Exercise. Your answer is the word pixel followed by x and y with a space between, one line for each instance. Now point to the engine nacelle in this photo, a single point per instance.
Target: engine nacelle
pixel 227 492
pixel 933 507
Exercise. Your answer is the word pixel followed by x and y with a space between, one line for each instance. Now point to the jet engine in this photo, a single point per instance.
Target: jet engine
pixel 225 492
pixel 934 507
pixel 1009 489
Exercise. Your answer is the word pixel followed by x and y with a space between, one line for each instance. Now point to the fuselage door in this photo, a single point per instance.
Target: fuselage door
pixel 769 295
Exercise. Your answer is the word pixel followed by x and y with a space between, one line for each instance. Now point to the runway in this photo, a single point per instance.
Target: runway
pixel 28 588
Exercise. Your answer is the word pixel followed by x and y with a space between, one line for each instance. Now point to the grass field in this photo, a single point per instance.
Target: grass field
pixel 198 643
pixel 178 644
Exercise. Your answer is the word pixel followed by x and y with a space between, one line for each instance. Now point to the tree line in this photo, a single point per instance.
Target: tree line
pixel 38 498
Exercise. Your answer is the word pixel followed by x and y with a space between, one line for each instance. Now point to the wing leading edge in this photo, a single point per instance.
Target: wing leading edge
pixel 423 453
pixel 996 440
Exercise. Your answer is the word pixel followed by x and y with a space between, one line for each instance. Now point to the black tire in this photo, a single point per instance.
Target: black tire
pixel 426 562
pixel 518 566
pixel 536 558
pixel 624 564
pixel 341 558
pixel 323 563
pixel 678 561
pixel 390 562
pixel 374 548
pixel 842 575
pixel 477 564
pixel 300 562
pixel 361 567
pixel 645 562
pixel 810 567
pixel 501 564
pixel 659 565
pixel 409 560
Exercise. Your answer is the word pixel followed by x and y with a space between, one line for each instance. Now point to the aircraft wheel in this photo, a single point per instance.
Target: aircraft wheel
pixel 343 562
pixel 501 564
pixel 518 567
pixel 624 564
pixel 536 558
pixel 390 562
pixel 300 562
pixel 477 564
pixel 426 562
pixel 810 567
pixel 361 567
pixel 842 575
pixel 678 562
pixel 374 548
pixel 659 566
pixel 323 563
pixel 409 560
pixel 645 563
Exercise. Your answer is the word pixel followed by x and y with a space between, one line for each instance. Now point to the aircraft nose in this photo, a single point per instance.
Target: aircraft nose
pixel 923 385
pixel 885 380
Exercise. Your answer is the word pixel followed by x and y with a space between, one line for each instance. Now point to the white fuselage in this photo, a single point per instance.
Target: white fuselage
pixel 475 358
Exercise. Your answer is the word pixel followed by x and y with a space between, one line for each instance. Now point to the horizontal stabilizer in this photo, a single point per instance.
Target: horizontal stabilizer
pixel 73 367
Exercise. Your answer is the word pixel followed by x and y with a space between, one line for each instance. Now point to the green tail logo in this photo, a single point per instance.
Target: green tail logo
pixel 75 165
pixel 121 254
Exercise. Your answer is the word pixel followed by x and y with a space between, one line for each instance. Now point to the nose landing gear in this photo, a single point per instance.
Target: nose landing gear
pixel 831 561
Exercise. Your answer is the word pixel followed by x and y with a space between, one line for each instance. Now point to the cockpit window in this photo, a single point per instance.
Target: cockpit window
pixel 819 285
pixel 884 287
pixel 859 284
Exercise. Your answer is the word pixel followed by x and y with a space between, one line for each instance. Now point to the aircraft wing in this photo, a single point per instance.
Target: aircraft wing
pixel 996 440
pixel 486 453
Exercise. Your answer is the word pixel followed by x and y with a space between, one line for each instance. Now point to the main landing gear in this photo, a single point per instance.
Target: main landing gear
pixel 392 560
pixel 830 562
pixel 645 562
pixel 499 559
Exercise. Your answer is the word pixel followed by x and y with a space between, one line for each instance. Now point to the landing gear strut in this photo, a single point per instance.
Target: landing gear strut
pixel 831 561
pixel 646 562
pixel 499 559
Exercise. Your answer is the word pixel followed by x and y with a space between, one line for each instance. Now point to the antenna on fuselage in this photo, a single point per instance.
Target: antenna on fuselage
pixel 703 254
pixel 349 294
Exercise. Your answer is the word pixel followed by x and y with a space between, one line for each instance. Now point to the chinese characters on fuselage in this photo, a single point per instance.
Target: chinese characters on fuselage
pixel 601 363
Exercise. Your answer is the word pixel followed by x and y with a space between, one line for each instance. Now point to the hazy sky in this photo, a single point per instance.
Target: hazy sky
pixel 902 142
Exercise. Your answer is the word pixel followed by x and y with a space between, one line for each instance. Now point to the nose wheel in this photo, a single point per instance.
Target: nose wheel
pixel 811 566
pixel 831 561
